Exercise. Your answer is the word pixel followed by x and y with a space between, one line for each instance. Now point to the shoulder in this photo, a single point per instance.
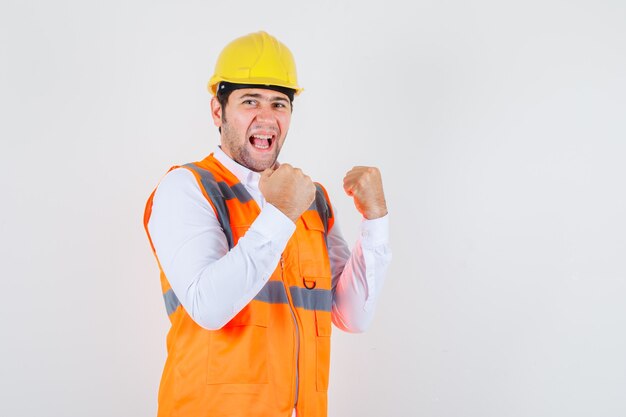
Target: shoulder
pixel 177 185
pixel 323 207
pixel 321 195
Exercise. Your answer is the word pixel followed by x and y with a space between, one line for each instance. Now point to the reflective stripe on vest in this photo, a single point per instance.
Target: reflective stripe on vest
pixel 171 301
pixel 274 293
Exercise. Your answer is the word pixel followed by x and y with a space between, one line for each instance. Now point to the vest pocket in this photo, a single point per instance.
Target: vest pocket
pixel 312 251
pixel 322 346
pixel 238 351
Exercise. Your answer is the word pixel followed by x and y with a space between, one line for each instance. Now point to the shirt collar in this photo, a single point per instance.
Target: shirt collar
pixel 245 175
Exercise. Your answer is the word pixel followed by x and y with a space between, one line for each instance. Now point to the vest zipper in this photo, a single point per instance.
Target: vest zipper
pixel 295 322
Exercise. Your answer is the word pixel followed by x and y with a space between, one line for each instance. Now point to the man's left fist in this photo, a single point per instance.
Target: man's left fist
pixel 365 185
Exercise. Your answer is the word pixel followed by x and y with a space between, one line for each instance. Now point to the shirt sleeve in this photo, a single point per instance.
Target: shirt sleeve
pixel 358 275
pixel 212 282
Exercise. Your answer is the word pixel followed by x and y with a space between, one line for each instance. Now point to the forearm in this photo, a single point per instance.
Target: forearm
pixel 221 288
pixel 360 278
pixel 211 282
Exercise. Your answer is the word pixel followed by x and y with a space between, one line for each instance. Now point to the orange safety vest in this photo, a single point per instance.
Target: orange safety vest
pixel 274 355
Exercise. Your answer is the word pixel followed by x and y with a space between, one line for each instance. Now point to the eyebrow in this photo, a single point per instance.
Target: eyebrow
pixel 260 96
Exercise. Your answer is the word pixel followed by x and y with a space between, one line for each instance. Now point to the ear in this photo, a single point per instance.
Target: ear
pixel 216 112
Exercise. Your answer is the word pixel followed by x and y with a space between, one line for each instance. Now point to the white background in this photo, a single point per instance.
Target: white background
pixel 500 130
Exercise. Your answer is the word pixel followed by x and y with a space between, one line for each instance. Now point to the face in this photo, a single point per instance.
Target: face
pixel 254 125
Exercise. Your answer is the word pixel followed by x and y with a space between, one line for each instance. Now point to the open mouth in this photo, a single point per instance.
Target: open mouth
pixel 261 142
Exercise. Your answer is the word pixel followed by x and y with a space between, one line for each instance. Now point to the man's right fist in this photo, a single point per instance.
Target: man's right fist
pixel 288 189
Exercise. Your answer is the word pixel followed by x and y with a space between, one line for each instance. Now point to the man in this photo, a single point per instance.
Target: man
pixel 253 264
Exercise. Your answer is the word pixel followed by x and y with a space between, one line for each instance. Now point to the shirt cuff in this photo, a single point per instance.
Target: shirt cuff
pixel 375 232
pixel 275 226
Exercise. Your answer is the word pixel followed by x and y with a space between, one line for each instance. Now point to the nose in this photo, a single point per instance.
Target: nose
pixel 265 115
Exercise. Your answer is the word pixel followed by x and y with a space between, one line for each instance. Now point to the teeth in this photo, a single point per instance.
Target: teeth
pixel 261 141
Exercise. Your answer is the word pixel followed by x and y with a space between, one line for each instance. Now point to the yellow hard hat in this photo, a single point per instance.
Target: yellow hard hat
pixel 257 59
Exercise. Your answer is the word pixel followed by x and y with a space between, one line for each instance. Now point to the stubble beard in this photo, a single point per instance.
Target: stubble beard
pixel 241 153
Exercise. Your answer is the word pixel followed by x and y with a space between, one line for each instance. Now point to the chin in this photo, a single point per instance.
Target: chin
pixel 258 165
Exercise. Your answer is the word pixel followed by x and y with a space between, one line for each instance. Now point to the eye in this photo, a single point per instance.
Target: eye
pixel 250 102
pixel 280 105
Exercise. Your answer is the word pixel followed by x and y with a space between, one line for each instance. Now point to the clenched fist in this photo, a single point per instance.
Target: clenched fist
pixel 288 189
pixel 365 185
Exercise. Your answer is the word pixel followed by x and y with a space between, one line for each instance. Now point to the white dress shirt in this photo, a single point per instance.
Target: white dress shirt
pixel 213 284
